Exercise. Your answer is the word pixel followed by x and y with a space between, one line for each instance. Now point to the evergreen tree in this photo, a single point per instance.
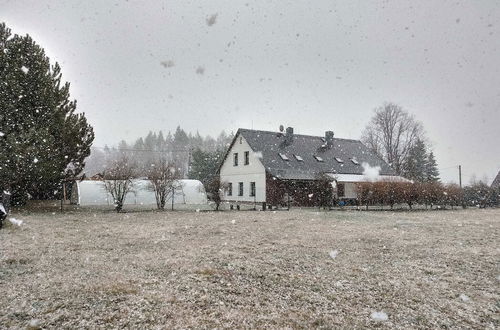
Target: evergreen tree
pixel 431 170
pixel 181 139
pixel 204 165
pixel 415 166
pixel 42 139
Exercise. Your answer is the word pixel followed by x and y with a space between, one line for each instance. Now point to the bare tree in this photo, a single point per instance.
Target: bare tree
pixel 391 134
pixel 162 176
pixel 118 178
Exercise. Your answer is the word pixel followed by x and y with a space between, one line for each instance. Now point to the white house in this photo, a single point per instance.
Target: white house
pixel 265 167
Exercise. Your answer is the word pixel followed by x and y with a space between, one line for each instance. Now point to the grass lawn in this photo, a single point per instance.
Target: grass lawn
pixel 91 269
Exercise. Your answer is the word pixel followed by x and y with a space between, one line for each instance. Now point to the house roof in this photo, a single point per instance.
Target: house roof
pixel 496 182
pixel 272 144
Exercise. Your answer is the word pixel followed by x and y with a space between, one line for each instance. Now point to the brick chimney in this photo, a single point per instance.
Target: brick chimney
pixel 329 138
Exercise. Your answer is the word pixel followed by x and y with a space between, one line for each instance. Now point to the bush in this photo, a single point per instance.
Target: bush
pixel 428 193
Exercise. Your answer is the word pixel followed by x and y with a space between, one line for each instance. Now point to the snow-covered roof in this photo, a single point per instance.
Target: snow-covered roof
pixel 362 178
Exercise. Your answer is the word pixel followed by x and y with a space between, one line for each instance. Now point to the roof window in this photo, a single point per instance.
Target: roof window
pixel 339 160
pixel 354 161
pixel 318 158
pixel 283 156
pixel 300 159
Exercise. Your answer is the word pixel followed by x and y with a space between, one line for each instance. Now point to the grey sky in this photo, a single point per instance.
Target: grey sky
pixel 314 65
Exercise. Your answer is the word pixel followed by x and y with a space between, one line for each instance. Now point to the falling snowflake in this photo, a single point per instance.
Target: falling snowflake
pixel 24 69
pixel 212 19
pixel 200 70
pixel 167 64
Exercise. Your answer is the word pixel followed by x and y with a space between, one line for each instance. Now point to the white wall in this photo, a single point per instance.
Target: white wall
pixel 253 172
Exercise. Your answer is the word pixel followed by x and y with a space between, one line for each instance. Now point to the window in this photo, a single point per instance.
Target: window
pixel 241 140
pixel 284 157
pixel 340 190
pixel 247 157
pixel 240 189
pixel 252 189
pixel 235 159
pixel 230 189
pixel 318 158
pixel 354 161
pixel 300 159
pixel 339 160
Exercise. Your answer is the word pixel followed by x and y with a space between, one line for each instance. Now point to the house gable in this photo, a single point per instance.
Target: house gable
pixel 251 175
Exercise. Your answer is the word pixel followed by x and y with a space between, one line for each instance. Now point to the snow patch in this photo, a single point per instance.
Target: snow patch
pixel 16 222
pixel 233 222
pixel 334 253
pixel 34 324
pixel 24 69
pixel 167 64
pixel 464 297
pixel 2 134
pixel 379 316
pixel 372 174
pixel 212 19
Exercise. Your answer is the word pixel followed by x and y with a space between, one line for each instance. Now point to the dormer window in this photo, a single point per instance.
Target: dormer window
pixel 318 158
pixel 284 157
pixel 339 160
pixel 300 159
pixel 354 161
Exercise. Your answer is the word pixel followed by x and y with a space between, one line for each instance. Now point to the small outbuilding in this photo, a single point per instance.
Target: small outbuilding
pixel 93 193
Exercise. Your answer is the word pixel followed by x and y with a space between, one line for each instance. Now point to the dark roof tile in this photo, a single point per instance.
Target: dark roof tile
pixel 271 144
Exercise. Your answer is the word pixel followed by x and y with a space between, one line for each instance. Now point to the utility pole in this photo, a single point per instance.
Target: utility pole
pixel 460 175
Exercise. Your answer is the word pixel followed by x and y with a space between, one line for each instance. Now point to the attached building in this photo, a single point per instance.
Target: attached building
pixel 259 161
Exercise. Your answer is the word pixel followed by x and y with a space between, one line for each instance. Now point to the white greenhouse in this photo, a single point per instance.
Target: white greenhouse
pixel 92 193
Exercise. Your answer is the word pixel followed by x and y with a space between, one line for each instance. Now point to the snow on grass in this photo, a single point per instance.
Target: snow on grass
pixel 464 297
pixel 16 222
pixel 34 324
pixel 334 253
pixel 379 316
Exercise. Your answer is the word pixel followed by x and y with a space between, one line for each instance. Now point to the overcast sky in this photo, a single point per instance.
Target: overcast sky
pixel 136 66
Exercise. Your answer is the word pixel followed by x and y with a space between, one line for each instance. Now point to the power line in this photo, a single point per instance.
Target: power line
pixel 144 150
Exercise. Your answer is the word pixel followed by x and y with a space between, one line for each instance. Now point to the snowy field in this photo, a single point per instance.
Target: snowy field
pixel 299 269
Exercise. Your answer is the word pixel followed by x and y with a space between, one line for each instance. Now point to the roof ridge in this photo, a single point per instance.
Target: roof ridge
pixel 305 135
